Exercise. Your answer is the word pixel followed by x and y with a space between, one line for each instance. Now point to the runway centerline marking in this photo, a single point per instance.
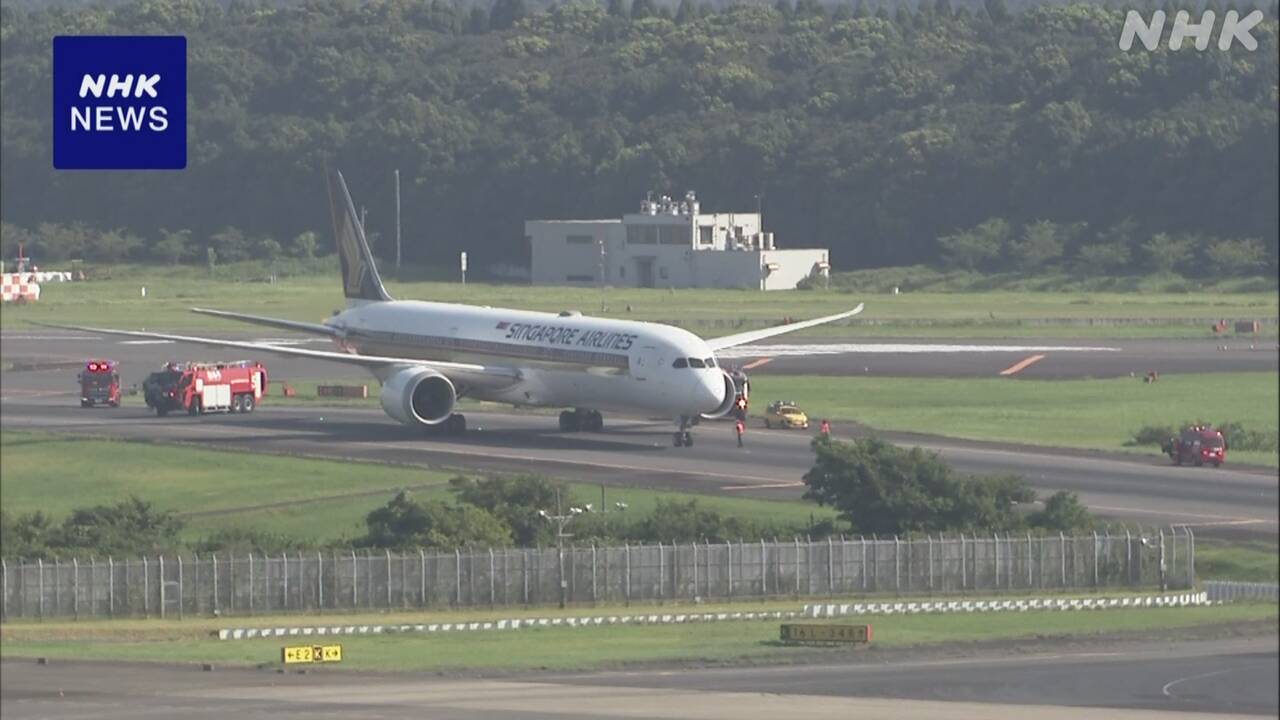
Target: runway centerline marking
pixel 1201 676
pixel 757 363
pixel 1021 365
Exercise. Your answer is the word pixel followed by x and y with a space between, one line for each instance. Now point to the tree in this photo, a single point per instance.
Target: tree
pixel 1168 254
pixel 129 527
pixel 477 21
pixel 641 9
pixel 304 245
pixel 1062 512
pixel 1102 259
pixel 687 12
pixel 1039 246
pixel 230 244
pixel 506 13
pixel 113 246
pixel 172 246
pixel 404 523
pixel 619 9
pixel 516 500
pixel 997 10
pixel 1236 257
pixel 688 522
pixel 267 249
pixel 978 248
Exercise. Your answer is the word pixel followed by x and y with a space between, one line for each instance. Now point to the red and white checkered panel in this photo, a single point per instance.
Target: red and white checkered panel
pixel 16 286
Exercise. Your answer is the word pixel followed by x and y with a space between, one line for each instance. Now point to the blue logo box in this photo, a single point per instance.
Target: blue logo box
pixel 119 102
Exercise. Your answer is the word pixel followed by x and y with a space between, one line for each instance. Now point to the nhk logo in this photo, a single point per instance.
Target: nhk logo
pixel 119 102
pixel 1233 28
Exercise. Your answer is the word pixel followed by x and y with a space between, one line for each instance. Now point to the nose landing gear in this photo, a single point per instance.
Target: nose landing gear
pixel 682 437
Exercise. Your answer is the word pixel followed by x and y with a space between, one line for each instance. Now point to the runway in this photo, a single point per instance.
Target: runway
pixel 1057 359
pixel 1122 681
pixel 1229 501
pixel 638 453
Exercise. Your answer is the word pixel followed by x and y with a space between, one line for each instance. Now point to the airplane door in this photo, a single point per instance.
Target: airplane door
pixel 644 362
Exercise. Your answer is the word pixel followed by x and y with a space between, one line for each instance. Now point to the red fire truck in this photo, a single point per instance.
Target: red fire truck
pixel 198 388
pixel 99 384
pixel 1198 444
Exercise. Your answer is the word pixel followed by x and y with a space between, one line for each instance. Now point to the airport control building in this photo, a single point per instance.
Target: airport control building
pixel 668 244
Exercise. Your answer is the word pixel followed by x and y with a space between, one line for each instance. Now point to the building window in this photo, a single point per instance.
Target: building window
pixel 622 271
pixel 642 235
pixel 704 235
pixel 580 278
pixel 674 235
pixel 579 240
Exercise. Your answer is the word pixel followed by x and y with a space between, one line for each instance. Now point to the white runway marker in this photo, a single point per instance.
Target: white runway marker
pixel 896 348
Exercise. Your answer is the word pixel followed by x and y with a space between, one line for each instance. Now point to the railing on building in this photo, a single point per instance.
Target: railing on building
pixel 175 587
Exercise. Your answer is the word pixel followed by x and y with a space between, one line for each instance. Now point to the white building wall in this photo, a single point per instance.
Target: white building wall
pixel 568 251
pixel 792 266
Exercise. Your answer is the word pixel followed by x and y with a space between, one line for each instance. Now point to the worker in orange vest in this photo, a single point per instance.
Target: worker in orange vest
pixel 739 428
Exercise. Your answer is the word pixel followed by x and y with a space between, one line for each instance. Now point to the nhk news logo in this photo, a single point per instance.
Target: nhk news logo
pixel 119 102
pixel 1234 29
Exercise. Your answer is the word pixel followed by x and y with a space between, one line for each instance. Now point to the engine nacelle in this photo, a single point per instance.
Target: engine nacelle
pixel 726 404
pixel 418 396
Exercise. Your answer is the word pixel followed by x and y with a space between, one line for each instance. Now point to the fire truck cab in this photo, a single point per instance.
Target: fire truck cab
pixel 198 388
pixel 99 384
pixel 1198 445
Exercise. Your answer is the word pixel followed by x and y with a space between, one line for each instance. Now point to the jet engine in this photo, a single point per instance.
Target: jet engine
pixel 418 396
pixel 726 403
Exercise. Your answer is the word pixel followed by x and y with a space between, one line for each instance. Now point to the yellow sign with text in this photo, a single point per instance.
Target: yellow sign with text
pixel 826 633
pixel 294 654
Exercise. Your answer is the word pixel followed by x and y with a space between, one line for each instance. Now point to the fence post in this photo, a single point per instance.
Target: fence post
pixel 995 544
pixel 250 583
pixel 897 566
pixel 284 571
pixel 1191 557
pixel 422 578
pixel 75 588
pixel 728 566
pixel 457 577
pixel 180 587
pixel 319 580
pixel 797 563
pixel 1173 547
pixel 1062 556
pixel 57 586
pixel 111 587
pixel 160 565
pixel 1095 558
pixel 524 571
pixel 216 611
pixel 355 582
pixel 1030 579
pixel 1128 557
pixel 626 589
pixel 195 562
pixel 93 586
pixel 964 568
pixel 662 573
pixel 929 539
pixel 764 571
pixel 593 574
pixel 694 544
pixel 40 586
pixel 831 566
pixel 146 587
pixel 388 554
pixel 4 590
pixel 862 541
pixel 1163 586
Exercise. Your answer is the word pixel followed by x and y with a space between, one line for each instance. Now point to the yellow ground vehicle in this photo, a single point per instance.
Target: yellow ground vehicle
pixel 785 414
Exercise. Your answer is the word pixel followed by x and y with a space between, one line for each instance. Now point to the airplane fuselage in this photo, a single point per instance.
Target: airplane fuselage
pixel 565 360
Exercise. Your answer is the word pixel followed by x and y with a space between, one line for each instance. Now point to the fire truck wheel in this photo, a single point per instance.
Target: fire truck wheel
pixel 85 404
pixel 161 412
pixel 247 405
pixel 195 407
pixel 237 404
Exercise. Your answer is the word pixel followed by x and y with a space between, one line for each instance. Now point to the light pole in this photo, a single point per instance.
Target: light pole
pixel 562 521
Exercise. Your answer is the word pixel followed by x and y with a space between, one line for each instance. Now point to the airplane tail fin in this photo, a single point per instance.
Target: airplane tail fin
pixel 360 281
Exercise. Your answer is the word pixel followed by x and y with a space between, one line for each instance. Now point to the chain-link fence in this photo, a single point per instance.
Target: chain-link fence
pixel 1228 591
pixel 350 581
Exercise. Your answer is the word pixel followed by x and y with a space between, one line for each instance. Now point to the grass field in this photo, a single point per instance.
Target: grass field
pixel 1243 561
pixel 1098 414
pixel 316 500
pixel 118 302
pixel 581 648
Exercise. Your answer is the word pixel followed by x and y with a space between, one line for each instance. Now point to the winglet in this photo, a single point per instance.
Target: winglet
pixel 728 341
pixel 360 281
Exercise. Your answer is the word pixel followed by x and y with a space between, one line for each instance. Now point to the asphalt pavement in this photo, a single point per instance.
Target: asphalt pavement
pixel 1118 681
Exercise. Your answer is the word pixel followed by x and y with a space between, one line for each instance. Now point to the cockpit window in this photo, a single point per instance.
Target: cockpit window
pixel 711 362
pixel 695 362
pixel 680 363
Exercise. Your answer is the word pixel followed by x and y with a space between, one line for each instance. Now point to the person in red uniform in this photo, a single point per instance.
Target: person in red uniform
pixel 739 428
pixel 825 427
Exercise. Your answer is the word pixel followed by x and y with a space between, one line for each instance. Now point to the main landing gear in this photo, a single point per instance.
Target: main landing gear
pixel 455 424
pixel 682 437
pixel 581 419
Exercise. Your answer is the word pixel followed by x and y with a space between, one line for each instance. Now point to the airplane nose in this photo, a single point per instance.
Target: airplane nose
pixel 709 391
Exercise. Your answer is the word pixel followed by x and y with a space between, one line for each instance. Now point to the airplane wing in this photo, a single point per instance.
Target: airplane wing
pixel 313 328
pixel 462 373
pixel 728 341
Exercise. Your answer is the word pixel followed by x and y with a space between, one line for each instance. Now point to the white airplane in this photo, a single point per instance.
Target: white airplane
pixel 426 355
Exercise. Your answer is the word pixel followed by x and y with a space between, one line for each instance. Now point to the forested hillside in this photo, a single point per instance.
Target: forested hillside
pixel 892 135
